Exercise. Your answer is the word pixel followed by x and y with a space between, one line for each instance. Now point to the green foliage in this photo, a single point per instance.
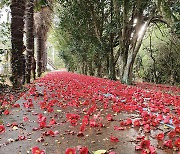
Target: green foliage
pixel 176 12
pixel 170 11
pixel 5 3
pixel 164 50
pixel 5 34
pixel 71 31
pixel 4 41
pixel 40 4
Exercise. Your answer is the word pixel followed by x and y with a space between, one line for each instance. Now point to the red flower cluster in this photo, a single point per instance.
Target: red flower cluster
pixel 73 118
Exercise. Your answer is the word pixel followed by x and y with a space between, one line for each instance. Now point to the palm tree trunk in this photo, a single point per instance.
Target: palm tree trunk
pixel 29 38
pixel 17 27
pixel 42 24
pixel 39 55
pixel 44 54
pixel 34 68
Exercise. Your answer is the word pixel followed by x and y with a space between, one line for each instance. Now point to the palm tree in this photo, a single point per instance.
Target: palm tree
pixel 42 25
pixel 30 40
pixel 17 27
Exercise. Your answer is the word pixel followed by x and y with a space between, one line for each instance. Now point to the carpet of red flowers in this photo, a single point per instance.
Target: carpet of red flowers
pixel 8 97
pixel 64 103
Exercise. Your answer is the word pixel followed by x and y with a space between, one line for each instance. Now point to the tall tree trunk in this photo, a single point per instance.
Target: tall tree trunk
pixel 112 74
pixel 154 60
pixel 42 24
pixel 99 70
pixel 17 27
pixel 135 46
pixel 44 51
pixel 91 71
pixel 29 39
pixel 86 69
pixel 107 65
pixel 44 57
pixel 39 54
pixel 34 68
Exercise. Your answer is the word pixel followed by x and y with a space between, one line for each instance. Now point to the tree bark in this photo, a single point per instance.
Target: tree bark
pixel 39 54
pixel 112 73
pixel 154 60
pixel 34 68
pixel 42 24
pixel 135 46
pixel 17 27
pixel 91 71
pixel 30 39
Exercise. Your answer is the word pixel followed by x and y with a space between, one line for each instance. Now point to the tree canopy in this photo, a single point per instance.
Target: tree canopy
pixel 117 39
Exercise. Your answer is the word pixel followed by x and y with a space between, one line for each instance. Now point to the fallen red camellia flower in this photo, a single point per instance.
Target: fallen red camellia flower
pixel 171 134
pixel 2 129
pixel 177 142
pixel 22 137
pixel 42 124
pixel 25 119
pixel 128 122
pixel 84 150
pixel 145 144
pixel 137 123
pixel 147 128
pixel 70 151
pixel 16 105
pixel 36 150
pixel 114 139
pixel 52 122
pixel 6 112
pixel 152 150
pixel 168 143
pixel 160 136
pixel 109 117
pixel 177 129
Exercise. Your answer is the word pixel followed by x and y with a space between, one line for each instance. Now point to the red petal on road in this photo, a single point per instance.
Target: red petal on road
pixel 6 112
pixel 22 137
pixel 2 129
pixel 137 147
pixel 16 105
pixel 52 122
pixel 25 119
pixel 114 139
